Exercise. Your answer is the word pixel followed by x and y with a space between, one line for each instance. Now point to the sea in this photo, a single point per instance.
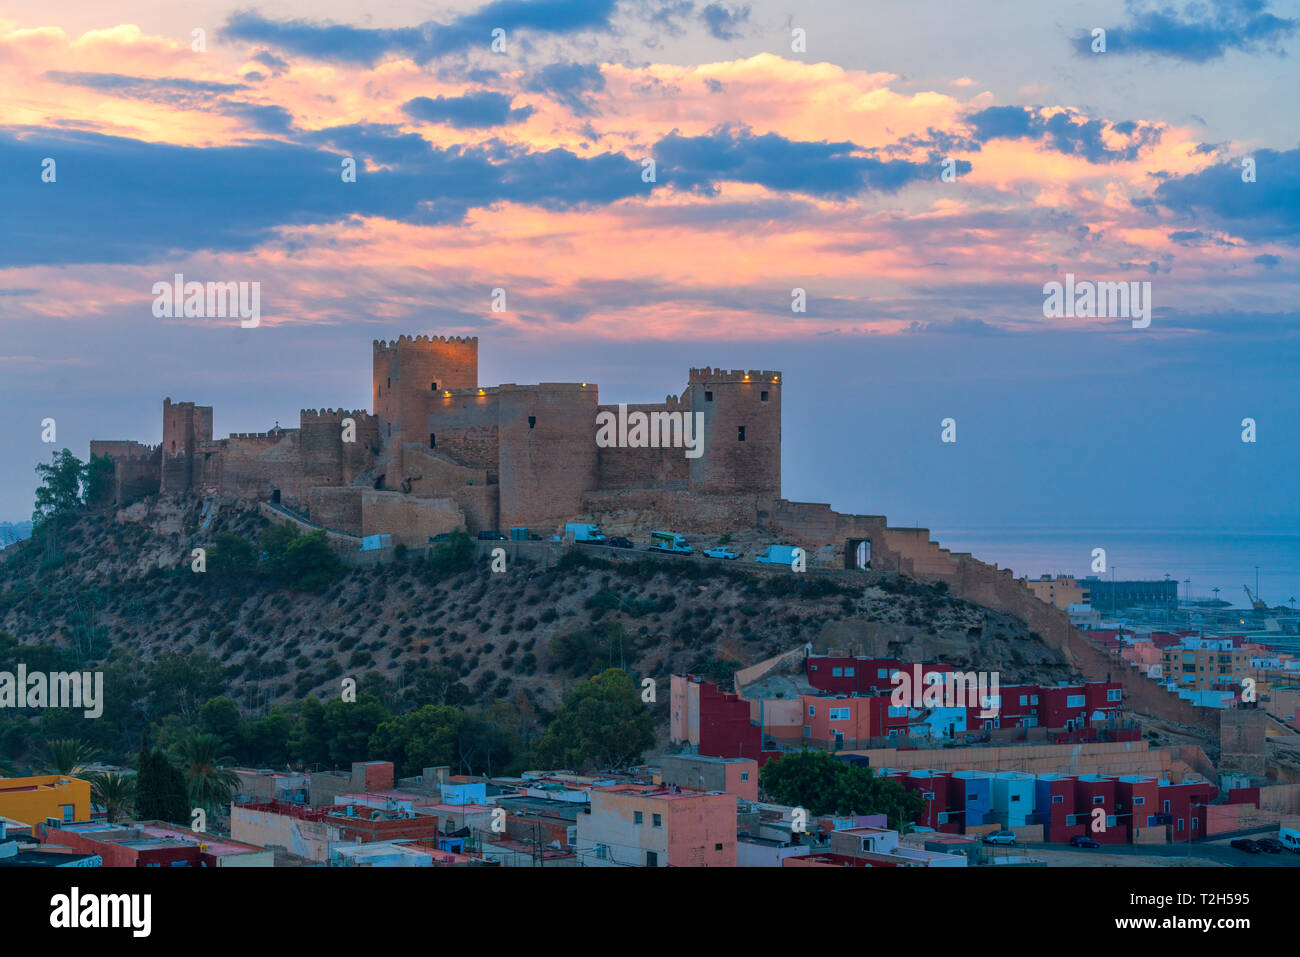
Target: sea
pixel 1200 560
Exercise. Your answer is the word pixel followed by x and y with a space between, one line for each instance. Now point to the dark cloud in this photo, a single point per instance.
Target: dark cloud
pixel 724 22
pixel 167 198
pixel 141 87
pixel 1267 260
pixel 1265 210
pixel 275 64
pixel 958 325
pixel 1065 132
pixel 700 163
pixel 472 111
pixel 569 84
pixel 1202 31
pixel 342 43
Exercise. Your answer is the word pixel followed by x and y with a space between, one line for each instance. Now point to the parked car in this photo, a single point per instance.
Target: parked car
pixel 619 542
pixel 1247 845
pixel 1270 846
pixel 491 537
pixel 1000 837
pixel 721 552
pixel 1082 840
pixel 441 537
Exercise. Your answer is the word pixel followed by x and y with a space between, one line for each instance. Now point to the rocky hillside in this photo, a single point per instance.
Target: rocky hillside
pixel 119 586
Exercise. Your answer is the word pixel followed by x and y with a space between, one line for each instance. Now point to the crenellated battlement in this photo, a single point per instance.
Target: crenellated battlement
pixel 277 435
pixel 391 345
pixel 331 415
pixel 734 375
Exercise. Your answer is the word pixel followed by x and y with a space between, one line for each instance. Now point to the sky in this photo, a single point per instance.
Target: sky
pixel 919 170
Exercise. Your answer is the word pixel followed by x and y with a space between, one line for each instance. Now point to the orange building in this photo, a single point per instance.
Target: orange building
pixel 1062 591
pixel 642 826
pixel 33 800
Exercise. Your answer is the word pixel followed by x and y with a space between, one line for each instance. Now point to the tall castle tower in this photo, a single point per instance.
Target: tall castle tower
pixel 185 425
pixel 407 373
pixel 742 431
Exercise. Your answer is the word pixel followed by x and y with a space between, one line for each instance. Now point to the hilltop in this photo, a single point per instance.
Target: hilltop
pixel 118 587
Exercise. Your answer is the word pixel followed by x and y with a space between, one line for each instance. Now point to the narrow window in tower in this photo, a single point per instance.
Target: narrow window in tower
pixel 433 442
pixel 740 433
pixel 434 387
pixel 762 396
pixel 708 396
pixel 390 429
pixel 390 382
pixel 532 421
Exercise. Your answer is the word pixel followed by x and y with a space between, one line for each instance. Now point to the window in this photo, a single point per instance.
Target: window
pixel 848 672
pixel 740 433
pixel 532 421
pixel 882 673
pixel 708 396
pixel 717 847
pixel 433 387
pixel 762 396
pixel 1033 699
pixel 1180 824
pixel 839 714
pixel 1058 799
pixel 744 775
pixel 1114 694
pixel 1074 701
pixel 638 817
pixel 1098 799
pixel 390 430
pixel 68 811
pixel 812 711
pixel 1151 820
pixel 390 382
pixel 658 820
pixel 1015 798
pixel 837 672
pixel 651 859
pixel 1139 801
pixel 433 441
pixel 1024 699
pixel 1166 807
pixel 898 712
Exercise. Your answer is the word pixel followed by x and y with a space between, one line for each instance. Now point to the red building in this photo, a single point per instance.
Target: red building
pixel 1183 807
pixel 1098 792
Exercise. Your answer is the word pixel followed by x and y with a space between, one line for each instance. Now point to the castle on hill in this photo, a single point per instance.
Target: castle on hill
pixel 442 451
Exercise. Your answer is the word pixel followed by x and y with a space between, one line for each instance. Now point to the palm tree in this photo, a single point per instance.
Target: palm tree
pixel 69 756
pixel 210 785
pixel 114 792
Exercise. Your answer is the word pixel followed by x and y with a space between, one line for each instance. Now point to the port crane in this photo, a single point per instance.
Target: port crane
pixel 1255 601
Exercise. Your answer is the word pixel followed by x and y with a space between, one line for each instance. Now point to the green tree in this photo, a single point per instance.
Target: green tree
pixel 231 558
pixel 309 742
pixel 275 542
pixel 220 717
pixel 208 784
pixel 180 684
pixel 602 724
pixel 114 792
pixel 823 784
pixel 442 735
pixel 160 790
pixel 69 756
pixel 59 494
pixel 588 650
pixel 97 479
pixel 453 556
pixel 338 732
pixel 310 562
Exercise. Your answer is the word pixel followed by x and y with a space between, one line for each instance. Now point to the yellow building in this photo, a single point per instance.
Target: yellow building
pixel 1061 592
pixel 1207 665
pixel 33 800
